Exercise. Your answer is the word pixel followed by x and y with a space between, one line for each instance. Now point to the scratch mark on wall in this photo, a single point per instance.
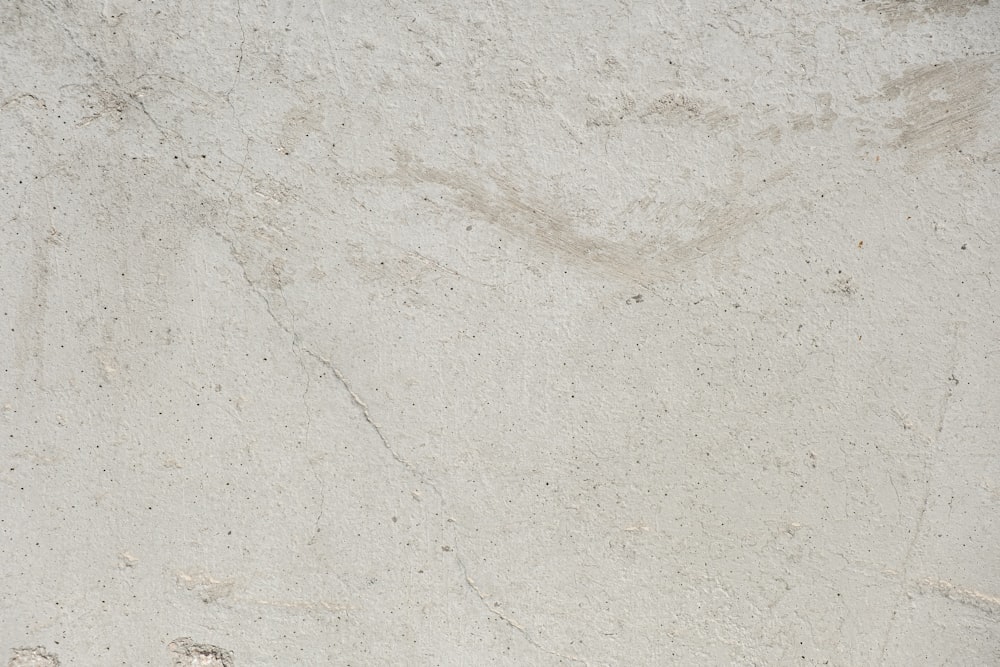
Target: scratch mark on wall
pixel 932 441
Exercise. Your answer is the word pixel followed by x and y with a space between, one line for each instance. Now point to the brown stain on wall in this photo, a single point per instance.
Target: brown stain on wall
pixel 680 107
pixel 947 105
pixel 902 12
pixel 525 213
pixel 676 108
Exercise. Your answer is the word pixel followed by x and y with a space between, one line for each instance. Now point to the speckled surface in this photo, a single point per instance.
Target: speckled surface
pixel 454 333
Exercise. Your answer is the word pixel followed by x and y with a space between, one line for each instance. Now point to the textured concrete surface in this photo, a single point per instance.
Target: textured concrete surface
pixel 494 333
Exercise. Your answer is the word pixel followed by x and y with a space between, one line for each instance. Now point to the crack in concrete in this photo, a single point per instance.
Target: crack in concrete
pixel 520 629
pixel 243 41
pixel 416 472
pixel 933 441
pixel 307 433
pixel 298 348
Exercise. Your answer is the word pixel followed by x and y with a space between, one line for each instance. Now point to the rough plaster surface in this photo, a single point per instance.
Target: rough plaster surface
pixel 460 333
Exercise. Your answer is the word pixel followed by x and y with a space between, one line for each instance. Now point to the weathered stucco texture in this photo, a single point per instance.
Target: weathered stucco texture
pixel 499 333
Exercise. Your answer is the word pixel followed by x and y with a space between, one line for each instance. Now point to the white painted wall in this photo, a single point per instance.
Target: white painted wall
pixel 461 333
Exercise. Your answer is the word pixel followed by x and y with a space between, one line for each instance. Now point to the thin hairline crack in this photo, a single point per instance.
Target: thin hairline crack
pixel 299 349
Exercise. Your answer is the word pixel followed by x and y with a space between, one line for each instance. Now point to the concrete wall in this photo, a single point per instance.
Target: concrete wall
pixel 494 333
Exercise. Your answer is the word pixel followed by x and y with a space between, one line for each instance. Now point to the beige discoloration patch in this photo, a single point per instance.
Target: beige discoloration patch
pixel 209 589
pixel 947 105
pixel 673 107
pixel 678 106
pixel 822 119
pixel 676 237
pixel 304 605
pixel 299 123
pixel 906 11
